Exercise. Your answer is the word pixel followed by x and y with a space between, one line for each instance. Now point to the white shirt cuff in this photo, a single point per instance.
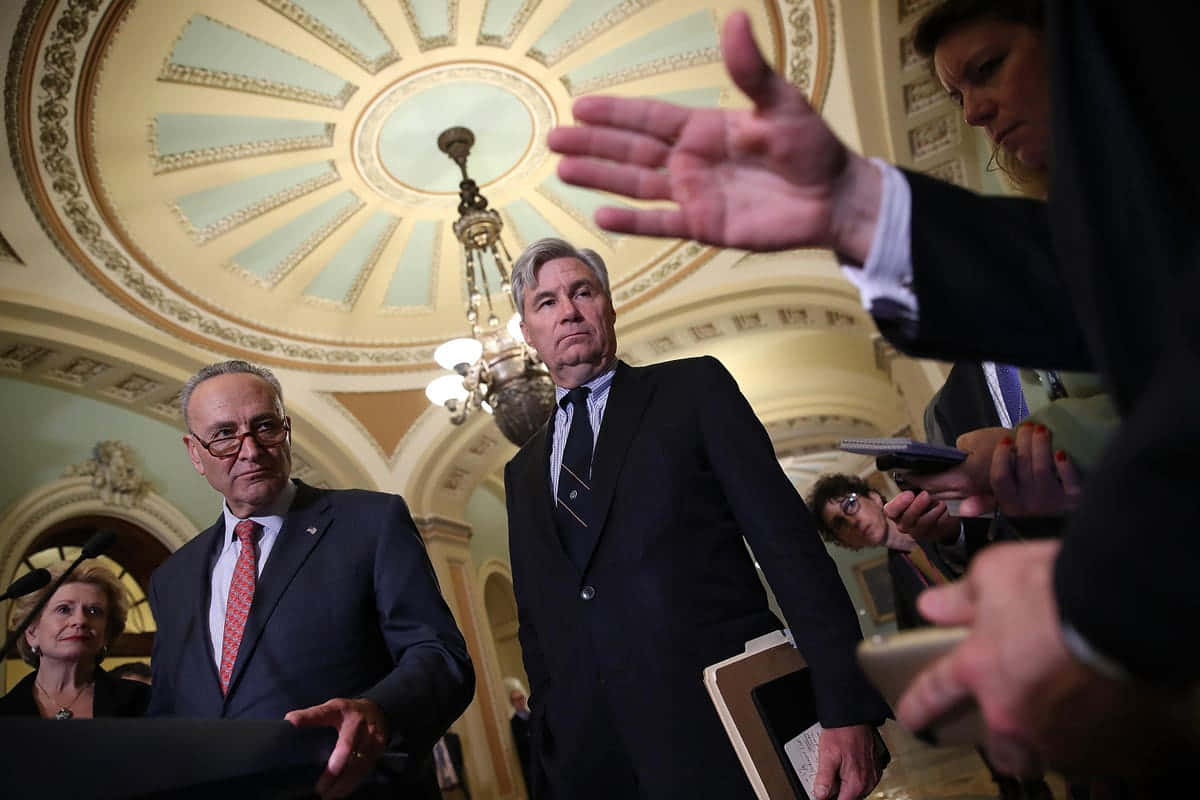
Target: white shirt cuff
pixel 885 278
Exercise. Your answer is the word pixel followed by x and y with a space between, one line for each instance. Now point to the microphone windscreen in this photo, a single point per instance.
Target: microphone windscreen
pixel 101 540
pixel 29 582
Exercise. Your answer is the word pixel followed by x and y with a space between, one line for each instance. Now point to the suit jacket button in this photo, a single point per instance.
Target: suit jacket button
pixel 587 592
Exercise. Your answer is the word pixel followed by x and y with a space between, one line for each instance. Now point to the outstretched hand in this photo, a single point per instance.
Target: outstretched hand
pixel 362 737
pixel 771 178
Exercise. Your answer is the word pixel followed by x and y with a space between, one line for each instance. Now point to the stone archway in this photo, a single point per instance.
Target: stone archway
pixel 501 606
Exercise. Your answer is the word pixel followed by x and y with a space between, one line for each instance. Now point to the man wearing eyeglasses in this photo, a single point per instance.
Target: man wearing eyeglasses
pixel 317 606
pixel 849 513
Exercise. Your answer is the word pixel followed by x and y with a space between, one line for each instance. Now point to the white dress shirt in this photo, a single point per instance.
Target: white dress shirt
pixel 597 400
pixel 222 575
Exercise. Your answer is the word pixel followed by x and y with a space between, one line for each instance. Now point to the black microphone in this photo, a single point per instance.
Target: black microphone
pixel 29 582
pixel 99 542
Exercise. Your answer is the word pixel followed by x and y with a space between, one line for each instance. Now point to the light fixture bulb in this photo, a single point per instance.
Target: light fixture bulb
pixel 514 328
pixel 456 352
pixel 447 387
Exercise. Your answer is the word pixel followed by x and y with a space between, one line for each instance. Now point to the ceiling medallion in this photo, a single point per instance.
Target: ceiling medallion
pixel 379 132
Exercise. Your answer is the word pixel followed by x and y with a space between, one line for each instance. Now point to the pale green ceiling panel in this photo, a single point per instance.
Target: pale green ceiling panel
pixel 410 284
pixel 581 204
pixel 530 225
pixel 273 256
pixel 408 142
pixel 52 429
pixel 218 48
pixel 350 21
pixel 432 17
pixel 344 275
pixel 579 19
pixel 680 44
pixel 693 98
pixel 499 20
pixel 175 134
pixel 214 211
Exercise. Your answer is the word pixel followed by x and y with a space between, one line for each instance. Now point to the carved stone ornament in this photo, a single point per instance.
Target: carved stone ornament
pixel 114 474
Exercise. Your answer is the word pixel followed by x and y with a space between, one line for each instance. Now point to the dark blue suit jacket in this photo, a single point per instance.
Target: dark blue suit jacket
pixel 346 606
pixel 682 471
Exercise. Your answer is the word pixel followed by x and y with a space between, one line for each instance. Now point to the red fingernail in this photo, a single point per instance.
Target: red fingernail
pixel 1060 455
pixel 1006 441
pixel 1040 429
pixel 1025 424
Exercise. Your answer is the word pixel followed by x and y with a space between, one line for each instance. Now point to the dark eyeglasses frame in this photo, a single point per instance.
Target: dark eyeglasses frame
pixel 285 428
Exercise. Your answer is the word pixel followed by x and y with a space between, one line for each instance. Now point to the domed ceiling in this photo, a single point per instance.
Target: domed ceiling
pixel 261 177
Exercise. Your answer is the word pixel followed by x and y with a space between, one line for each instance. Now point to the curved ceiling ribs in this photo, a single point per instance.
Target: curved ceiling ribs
pixel 285 198
pixel 260 179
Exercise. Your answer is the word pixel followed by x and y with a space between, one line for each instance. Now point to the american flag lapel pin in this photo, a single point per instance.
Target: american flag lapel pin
pixel 310 531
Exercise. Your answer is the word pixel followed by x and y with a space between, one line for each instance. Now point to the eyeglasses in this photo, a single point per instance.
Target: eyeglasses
pixel 267 433
pixel 849 506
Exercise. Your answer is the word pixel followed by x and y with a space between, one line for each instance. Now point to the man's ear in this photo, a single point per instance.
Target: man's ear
pixel 193 449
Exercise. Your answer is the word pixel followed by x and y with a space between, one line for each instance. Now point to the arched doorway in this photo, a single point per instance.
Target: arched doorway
pixel 501 606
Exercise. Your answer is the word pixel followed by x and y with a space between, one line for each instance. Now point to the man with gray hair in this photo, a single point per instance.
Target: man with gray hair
pixel 317 606
pixel 626 517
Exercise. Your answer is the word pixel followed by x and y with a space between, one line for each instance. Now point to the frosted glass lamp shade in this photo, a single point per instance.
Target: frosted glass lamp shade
pixel 514 328
pixel 447 387
pixel 457 351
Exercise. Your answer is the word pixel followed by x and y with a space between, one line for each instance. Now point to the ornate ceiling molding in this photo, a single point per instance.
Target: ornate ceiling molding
pixel 367 132
pixel 75 496
pixel 326 34
pixel 62 50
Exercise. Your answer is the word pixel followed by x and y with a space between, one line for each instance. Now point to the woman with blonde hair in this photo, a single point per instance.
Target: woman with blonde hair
pixel 66 644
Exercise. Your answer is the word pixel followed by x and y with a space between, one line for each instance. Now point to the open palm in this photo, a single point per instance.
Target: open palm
pixel 763 179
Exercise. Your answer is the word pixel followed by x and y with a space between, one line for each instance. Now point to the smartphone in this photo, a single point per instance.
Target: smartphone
pixel 891 662
pixel 905 454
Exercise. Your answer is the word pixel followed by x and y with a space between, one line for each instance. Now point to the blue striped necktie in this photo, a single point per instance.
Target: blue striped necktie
pixel 1009 378
pixel 573 506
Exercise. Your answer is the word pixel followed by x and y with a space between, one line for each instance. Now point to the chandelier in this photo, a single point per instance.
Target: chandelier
pixel 493 368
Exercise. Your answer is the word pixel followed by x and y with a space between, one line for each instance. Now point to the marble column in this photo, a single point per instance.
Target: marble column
pixel 488 753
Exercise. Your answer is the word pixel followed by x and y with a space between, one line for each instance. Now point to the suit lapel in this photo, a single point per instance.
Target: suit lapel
pixel 201 590
pixel 534 484
pixel 303 527
pixel 627 400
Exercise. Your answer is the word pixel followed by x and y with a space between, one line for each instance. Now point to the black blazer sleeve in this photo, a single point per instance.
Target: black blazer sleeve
pixel 433 680
pixel 776 523
pixel 987 282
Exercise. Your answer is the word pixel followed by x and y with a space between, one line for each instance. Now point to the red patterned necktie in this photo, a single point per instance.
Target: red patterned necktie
pixel 241 594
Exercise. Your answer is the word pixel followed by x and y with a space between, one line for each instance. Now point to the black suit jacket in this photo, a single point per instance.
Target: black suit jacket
pixel 113 697
pixel 682 471
pixel 346 606
pixel 1107 278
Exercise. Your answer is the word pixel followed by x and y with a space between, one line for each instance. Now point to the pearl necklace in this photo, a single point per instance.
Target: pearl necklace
pixel 64 711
